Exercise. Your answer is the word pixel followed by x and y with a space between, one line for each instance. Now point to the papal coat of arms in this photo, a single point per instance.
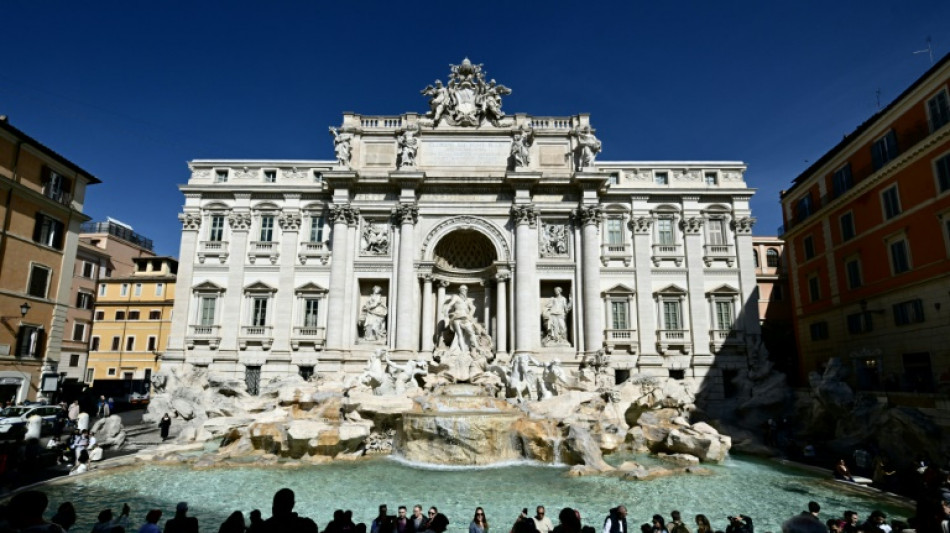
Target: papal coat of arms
pixel 467 100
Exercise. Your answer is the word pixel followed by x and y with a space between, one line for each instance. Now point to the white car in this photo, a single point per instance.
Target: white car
pixel 13 419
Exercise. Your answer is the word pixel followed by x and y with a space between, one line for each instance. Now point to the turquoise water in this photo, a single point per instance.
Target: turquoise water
pixel 760 489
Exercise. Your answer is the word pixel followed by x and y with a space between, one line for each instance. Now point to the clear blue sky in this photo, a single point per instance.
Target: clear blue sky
pixel 131 91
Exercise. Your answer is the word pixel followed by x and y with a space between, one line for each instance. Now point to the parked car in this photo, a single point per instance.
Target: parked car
pixel 13 419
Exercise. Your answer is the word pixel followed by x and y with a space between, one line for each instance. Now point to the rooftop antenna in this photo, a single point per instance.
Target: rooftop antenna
pixel 877 94
pixel 929 51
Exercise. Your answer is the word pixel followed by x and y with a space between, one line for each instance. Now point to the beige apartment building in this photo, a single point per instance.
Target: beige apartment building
pixel 89 266
pixel 41 201
pixel 132 321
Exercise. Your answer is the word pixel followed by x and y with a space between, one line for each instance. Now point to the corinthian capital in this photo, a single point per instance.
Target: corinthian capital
pixel 344 213
pixel 641 225
pixel 589 214
pixel 289 220
pixel 693 225
pixel 406 213
pixel 240 221
pixel 744 225
pixel 190 221
pixel 525 214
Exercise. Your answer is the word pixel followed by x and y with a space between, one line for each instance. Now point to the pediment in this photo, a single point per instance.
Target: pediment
pixel 207 286
pixel 310 287
pixel 671 289
pixel 724 289
pixel 259 286
pixel 620 288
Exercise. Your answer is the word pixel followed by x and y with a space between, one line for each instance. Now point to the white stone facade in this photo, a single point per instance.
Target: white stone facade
pixel 280 260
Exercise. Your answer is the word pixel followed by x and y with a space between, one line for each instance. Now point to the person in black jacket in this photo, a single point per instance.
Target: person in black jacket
pixel 283 519
pixel 739 524
pixel 438 522
pixel 616 521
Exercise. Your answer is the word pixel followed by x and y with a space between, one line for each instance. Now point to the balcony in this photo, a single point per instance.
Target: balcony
pixel 268 249
pixel 673 339
pixel 305 335
pixel 198 334
pixel 260 335
pixel 668 252
pixel 313 250
pixel 616 251
pixel 718 252
pixel 724 337
pixel 623 338
pixel 218 249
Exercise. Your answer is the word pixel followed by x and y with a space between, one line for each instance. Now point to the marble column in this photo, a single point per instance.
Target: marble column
pixel 289 222
pixel 406 215
pixel 699 321
pixel 191 224
pixel 590 217
pixel 233 298
pixel 501 313
pixel 527 308
pixel 439 300
pixel 645 318
pixel 341 216
pixel 428 314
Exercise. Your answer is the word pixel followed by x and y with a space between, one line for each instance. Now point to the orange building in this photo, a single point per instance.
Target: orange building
pixel 41 200
pixel 867 244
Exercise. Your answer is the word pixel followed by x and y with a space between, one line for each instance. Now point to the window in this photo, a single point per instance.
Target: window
pixel 116 343
pixel 159 289
pixel 270 176
pixel 818 330
pixel 220 176
pixel 672 315
pixel 891 202
pixel 29 342
pixel 90 373
pixel 311 309
pixel 814 288
pixel 259 311
pixel 842 180
pixel 102 289
pixel 57 187
pixel 154 315
pixel 39 281
pixel 120 315
pixel 771 258
pixel 152 343
pixel 853 270
pixel 100 315
pixel 884 150
pixel 755 258
pixel 615 231
pixel 908 312
pixel 110 372
pixel 83 300
pixel 725 314
pixel 618 315
pixel 664 231
pixel 134 315
pixel 716 231
pixel 124 289
pixel 803 208
pixel 88 269
pixel 206 310
pixel 661 178
pixel 939 110
pixel 216 234
pixel 94 345
pixel 267 228
pixel 138 289
pixel 711 178
pixel 129 343
pixel 316 229
pixel 900 258
pixel 808 243
pixel 943 173
pixel 128 375
pixel 79 331
pixel 48 231
pixel 73 360
pixel 847 226
pixel 859 323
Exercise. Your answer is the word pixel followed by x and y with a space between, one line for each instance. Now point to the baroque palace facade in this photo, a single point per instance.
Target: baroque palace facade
pixel 466 228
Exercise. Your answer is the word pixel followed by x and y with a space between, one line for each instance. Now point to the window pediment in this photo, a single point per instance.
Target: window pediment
pixel 723 290
pixel 671 290
pixel 207 286
pixel 619 290
pixel 259 287
pixel 310 288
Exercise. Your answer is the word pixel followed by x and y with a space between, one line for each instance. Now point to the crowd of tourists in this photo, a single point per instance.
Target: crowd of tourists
pixel 25 512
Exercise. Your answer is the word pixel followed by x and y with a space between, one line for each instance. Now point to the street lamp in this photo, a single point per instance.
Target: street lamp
pixel 24 309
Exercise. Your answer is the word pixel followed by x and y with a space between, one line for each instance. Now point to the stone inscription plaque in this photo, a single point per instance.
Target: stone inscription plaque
pixel 464 153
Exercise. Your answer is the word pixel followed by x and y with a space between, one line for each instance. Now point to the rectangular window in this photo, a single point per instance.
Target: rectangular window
pixel 128 376
pixel 853 269
pixel 615 231
pixel 270 176
pixel 847 226
pixel 859 323
pixel 943 173
pixel 39 281
pixel 842 180
pixel 900 259
pixel 116 343
pixel 716 231
pixel 83 300
pixel 159 289
pixel 216 234
pixel 73 360
pixel 267 228
pixel 79 331
pixel 661 178
pixel 57 187
pixel 110 372
pixel 220 176
pixel 259 311
pixel 310 312
pixel 129 343
pixel 939 110
pixel 819 331
pixel 124 289
pixel 316 229
pixel 909 312
pixel 725 316
pixel 48 231
pixel 664 231
pixel 138 289
pixel 803 208
pixel 152 343
pixel 671 315
pixel 90 373
pixel 29 341
pixel 884 150
pixel 88 269
pixel 102 289
pixel 120 315
pixel 100 315
pixel 154 315
pixel 618 315
pixel 891 202
pixel 134 315
pixel 711 178
pixel 206 310
pixel 94 345
pixel 809 247
pixel 814 289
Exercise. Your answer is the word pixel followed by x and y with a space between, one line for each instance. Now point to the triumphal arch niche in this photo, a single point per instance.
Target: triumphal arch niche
pixel 465 231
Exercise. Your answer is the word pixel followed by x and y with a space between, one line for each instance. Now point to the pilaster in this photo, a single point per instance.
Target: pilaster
pixel 341 217
pixel 527 307
pixel 240 221
pixel 191 225
pixel 406 284
pixel 589 218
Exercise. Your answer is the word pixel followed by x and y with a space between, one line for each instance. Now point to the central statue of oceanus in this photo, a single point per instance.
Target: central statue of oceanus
pixel 465 348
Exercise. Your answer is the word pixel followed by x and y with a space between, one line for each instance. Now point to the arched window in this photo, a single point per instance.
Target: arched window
pixel 771 258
